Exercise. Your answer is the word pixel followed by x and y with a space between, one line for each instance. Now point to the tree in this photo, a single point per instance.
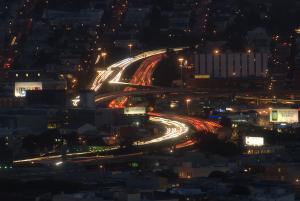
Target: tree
pixel 218 175
pixel 166 72
pixel 211 144
pixel 6 156
pixel 240 190
pixel 30 143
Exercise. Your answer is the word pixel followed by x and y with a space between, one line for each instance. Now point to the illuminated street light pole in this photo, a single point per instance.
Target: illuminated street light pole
pixel 216 51
pixel 104 54
pixel 130 48
pixel 181 70
pixel 188 101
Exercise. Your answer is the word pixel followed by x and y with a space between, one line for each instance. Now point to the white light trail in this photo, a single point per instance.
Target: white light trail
pixel 120 67
pixel 174 129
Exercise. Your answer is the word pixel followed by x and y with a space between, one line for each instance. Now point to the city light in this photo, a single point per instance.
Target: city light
pixel 174 129
pixel 59 163
pixel 95 100
pixel 76 101
pixel 188 101
pixel 103 54
pixel 130 45
pixel 181 60
pixel 254 141
pixel 216 51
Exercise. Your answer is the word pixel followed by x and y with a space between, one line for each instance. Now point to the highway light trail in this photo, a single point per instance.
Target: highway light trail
pixel 110 96
pixel 142 77
pixel 175 126
pixel 185 144
pixel 173 129
pixel 46 158
pixel 141 56
pixel 198 124
pixel 119 68
pixel 99 80
pixel 104 74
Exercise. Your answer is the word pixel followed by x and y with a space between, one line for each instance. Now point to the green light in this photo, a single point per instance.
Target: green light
pixel 134 165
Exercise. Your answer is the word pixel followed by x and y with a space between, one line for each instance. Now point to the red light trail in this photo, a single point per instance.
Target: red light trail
pixel 142 77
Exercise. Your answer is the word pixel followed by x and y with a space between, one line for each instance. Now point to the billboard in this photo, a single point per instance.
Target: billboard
pixel 134 110
pixel 22 87
pixel 284 116
pixel 254 141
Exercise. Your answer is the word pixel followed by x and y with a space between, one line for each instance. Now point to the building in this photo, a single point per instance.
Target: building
pixel 231 65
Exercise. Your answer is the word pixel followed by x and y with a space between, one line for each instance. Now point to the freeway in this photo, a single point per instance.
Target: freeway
pixel 198 124
pixel 142 77
pixel 114 72
pixel 173 129
pixel 59 156
pixel 110 96
pixel 175 126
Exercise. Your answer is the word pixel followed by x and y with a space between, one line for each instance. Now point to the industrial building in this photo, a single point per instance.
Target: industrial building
pixel 231 65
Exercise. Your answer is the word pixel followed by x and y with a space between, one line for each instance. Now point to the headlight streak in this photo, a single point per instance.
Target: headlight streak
pixel 198 124
pixel 43 158
pixel 104 75
pixel 174 129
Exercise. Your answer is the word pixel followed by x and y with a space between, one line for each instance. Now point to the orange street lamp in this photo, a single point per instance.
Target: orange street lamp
pixel 130 48
pixel 103 55
pixel 180 59
pixel 216 51
pixel 188 101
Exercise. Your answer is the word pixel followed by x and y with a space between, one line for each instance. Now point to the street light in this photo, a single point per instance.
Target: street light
pixel 216 51
pixel 130 47
pixel 104 54
pixel 181 69
pixel 188 101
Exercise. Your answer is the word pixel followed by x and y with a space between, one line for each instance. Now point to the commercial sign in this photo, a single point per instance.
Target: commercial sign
pixel 254 141
pixel 22 87
pixel 284 116
pixel 199 76
pixel 134 110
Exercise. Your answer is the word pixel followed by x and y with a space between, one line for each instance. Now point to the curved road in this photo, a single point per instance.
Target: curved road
pixel 114 72
pixel 175 125
pixel 173 129
pixel 142 77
